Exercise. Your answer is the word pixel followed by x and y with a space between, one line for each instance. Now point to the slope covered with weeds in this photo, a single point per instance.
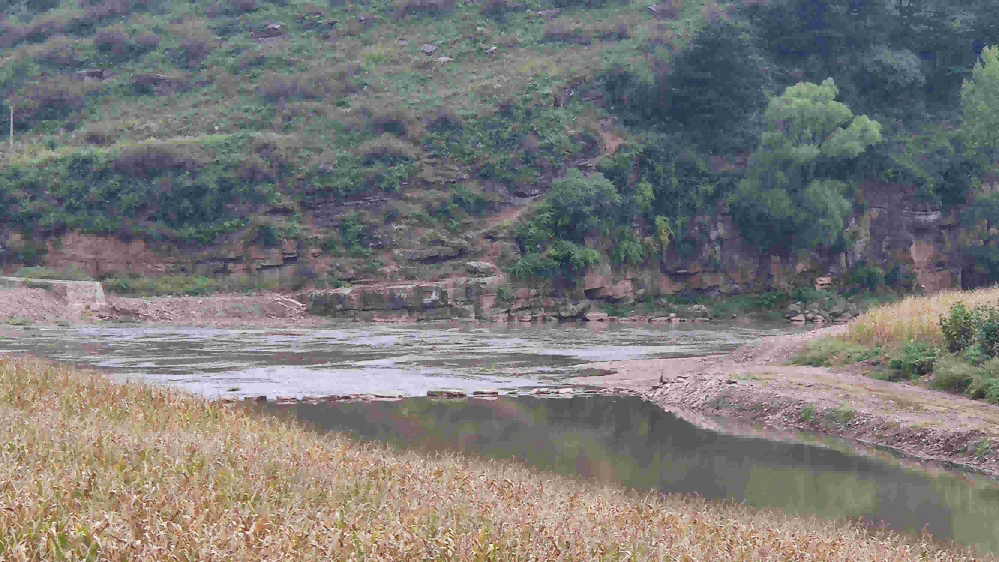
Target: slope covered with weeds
pixel 90 469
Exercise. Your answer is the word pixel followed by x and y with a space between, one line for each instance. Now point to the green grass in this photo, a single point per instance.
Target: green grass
pixel 183 285
pixel 835 352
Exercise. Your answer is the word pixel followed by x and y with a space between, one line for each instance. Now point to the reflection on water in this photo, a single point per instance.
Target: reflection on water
pixel 403 360
pixel 629 442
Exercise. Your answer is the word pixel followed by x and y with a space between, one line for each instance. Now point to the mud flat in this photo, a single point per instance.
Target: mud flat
pixel 756 385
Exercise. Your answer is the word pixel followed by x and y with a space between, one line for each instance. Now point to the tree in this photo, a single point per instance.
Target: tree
pixel 981 245
pixel 793 197
pixel 980 101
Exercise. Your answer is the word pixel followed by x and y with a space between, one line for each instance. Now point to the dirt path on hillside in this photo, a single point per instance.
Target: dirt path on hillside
pixel 755 384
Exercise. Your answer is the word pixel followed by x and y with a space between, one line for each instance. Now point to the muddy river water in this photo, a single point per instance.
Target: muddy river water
pixel 620 441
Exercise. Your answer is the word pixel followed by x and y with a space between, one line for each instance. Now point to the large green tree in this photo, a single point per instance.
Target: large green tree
pixel 980 101
pixel 794 194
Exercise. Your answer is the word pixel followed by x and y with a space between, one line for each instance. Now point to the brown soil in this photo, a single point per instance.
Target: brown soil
pixel 264 310
pixel 32 305
pixel 755 384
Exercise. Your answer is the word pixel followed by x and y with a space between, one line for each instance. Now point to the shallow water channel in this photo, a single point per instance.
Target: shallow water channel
pixel 613 440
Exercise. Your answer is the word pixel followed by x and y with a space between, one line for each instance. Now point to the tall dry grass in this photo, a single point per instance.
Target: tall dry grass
pixel 94 470
pixel 915 317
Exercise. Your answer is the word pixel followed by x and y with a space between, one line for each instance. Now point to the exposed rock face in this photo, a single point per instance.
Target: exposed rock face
pixel 436 301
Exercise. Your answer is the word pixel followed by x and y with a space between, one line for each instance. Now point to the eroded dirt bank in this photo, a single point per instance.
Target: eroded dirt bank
pixel 756 385
pixel 260 310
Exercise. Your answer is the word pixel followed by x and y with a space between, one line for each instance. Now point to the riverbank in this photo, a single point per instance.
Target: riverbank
pixel 756 385
pixel 23 305
pixel 95 469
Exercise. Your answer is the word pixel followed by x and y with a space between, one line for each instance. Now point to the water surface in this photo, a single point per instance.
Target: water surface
pixel 404 360
pixel 628 442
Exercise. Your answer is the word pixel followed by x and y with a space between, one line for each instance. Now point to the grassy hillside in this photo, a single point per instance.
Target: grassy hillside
pixel 358 128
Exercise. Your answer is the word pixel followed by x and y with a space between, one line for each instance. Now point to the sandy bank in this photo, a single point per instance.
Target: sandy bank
pixel 755 384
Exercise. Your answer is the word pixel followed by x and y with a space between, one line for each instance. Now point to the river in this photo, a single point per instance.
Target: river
pixel 621 441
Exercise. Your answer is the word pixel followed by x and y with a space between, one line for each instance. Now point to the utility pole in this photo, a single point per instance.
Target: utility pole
pixel 11 104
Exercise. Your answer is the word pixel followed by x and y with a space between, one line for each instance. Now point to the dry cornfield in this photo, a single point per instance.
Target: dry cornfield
pixel 915 317
pixel 95 470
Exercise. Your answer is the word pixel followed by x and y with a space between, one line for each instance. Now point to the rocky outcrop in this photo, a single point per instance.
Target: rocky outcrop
pixel 465 298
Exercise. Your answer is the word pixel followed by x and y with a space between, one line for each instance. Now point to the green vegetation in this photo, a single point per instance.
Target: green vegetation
pixel 959 352
pixel 356 130
pixel 181 285
pixel 70 274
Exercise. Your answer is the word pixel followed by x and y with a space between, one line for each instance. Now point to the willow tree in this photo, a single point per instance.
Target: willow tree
pixel 794 195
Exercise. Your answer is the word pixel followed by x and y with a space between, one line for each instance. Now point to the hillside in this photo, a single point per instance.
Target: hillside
pixel 608 150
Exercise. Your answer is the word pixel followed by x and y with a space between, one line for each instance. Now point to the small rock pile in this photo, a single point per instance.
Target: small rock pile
pixel 819 313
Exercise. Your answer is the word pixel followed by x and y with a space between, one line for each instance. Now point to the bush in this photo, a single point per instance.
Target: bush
pixel 913 360
pixel 835 352
pixel 51 99
pixel 867 277
pixel 388 119
pixel 964 328
pixel 388 150
pixel 60 52
pixel 273 86
pixel 113 41
pixel 195 43
pixel 953 375
pixel 562 261
pixel 148 161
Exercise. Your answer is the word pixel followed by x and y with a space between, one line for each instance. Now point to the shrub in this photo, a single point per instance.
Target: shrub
pixel 387 149
pixel 913 360
pixel 867 277
pixel 113 41
pixel 834 352
pixel 148 42
pixel 195 43
pixel 273 86
pixel 953 375
pixel 99 134
pixel 388 118
pixel 964 328
pixel 50 99
pixel 562 261
pixel 60 52
pixel 152 160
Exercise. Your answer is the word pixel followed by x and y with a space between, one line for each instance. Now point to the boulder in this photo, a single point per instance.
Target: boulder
pixel 480 268
pixel 272 29
pixel 597 316
pixel 569 310
pixel 622 291
pixel 800 319
pixel 446 393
